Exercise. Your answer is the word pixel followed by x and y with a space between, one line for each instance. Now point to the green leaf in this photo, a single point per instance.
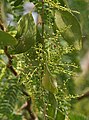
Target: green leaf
pixel 26 34
pixel 49 81
pixel 68 25
pixel 81 6
pixel 7 39
pixel 52 104
pixel 18 2
pixel 60 115
pixel 74 116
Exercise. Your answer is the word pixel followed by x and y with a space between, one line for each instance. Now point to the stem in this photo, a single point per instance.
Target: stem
pixel 44 112
pixel 2 16
pixel 28 106
pixel 85 95
pixel 9 65
pixel 43 24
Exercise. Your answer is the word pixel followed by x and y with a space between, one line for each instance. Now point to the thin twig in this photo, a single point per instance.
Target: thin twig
pixel 85 95
pixel 43 49
pixel 43 23
pixel 28 106
pixel 9 65
pixel 1 26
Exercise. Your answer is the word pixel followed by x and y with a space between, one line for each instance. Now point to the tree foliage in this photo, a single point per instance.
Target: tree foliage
pixel 40 43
